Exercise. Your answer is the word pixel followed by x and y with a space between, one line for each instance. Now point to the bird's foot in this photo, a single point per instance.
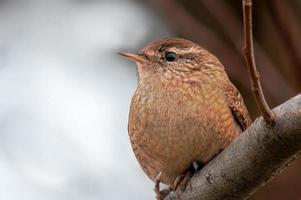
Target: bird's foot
pixel 183 180
pixel 160 194
pixel 197 165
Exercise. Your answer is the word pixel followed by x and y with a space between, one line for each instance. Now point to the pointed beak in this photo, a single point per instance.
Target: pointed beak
pixel 133 57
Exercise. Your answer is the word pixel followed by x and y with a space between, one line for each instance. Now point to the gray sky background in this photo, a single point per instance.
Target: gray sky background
pixel 64 98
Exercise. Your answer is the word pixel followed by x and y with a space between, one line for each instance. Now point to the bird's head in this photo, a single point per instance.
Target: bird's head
pixel 173 56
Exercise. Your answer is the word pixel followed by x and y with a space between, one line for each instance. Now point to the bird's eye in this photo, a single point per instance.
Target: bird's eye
pixel 170 56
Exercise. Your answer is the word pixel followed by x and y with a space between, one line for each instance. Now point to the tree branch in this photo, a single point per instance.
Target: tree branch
pixel 248 51
pixel 256 156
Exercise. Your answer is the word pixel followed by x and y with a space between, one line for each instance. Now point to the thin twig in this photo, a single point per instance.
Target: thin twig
pixel 248 51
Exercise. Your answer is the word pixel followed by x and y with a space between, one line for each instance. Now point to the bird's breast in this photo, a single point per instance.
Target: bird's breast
pixel 171 125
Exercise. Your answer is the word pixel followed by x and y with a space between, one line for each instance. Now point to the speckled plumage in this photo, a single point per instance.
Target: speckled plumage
pixel 182 111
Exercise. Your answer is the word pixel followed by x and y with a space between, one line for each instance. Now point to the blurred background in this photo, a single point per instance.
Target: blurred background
pixel 65 94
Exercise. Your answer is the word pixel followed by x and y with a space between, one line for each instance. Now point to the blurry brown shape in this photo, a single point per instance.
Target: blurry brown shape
pixel 283 20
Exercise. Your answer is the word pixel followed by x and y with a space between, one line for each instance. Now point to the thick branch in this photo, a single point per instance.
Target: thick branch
pixel 255 157
pixel 248 51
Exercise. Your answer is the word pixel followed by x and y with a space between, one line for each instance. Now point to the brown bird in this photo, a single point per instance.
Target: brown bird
pixel 185 109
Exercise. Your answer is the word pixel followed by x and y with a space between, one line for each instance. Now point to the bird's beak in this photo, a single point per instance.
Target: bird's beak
pixel 133 57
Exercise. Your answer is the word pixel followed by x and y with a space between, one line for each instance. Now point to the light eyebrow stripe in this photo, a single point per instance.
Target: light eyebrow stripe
pixel 181 50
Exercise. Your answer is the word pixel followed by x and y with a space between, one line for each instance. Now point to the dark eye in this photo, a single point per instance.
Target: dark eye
pixel 170 56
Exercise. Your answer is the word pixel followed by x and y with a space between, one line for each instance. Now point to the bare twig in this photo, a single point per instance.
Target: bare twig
pixel 255 157
pixel 248 51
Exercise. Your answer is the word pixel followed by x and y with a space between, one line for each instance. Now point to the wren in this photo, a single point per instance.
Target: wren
pixel 184 111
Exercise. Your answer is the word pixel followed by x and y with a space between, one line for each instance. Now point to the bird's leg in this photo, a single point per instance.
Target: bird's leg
pixel 182 180
pixel 157 186
pixel 160 194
